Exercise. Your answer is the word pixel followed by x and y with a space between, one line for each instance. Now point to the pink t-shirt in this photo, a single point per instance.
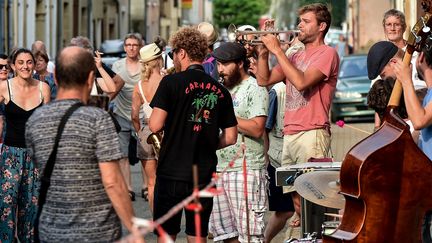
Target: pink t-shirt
pixel 309 109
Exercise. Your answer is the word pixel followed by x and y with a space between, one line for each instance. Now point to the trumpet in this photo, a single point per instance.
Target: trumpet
pixel 155 139
pixel 241 36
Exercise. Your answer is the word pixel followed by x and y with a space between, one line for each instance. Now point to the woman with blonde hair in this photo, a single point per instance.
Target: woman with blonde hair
pixel 152 63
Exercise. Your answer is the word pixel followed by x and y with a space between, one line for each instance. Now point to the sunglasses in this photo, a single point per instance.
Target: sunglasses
pixel 171 53
pixel 5 66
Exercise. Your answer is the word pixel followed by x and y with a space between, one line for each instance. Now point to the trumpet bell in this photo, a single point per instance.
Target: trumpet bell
pixel 232 29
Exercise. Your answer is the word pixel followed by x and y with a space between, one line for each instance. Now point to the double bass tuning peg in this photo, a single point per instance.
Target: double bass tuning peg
pixel 417 38
pixel 425 29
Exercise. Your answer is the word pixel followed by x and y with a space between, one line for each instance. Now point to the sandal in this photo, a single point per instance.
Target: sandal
pixel 132 195
pixel 144 194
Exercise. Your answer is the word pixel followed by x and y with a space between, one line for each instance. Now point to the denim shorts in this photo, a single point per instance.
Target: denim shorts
pixel 125 134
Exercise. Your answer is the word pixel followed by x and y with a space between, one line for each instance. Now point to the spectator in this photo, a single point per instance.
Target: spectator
pixel 394 25
pixel 87 197
pixel 151 65
pixel 342 46
pixel 129 69
pixel 209 64
pixel 42 73
pixel 4 76
pixel 107 80
pixel 40 46
pixel 19 175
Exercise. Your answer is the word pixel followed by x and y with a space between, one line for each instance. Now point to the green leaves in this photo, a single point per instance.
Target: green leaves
pixel 238 12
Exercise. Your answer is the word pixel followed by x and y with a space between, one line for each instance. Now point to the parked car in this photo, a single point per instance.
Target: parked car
pixel 112 51
pixel 350 98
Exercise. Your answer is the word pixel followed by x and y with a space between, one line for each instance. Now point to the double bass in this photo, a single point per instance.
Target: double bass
pixel 386 179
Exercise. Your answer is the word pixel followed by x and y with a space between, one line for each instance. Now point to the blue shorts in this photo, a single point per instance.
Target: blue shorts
pixel 124 134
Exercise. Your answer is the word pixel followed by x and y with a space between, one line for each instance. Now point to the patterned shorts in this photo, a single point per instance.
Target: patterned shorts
pixel 228 218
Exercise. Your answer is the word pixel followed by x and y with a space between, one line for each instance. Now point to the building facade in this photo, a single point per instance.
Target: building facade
pixel 55 22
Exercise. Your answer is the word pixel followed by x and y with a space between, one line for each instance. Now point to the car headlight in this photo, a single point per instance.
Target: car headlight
pixel 340 94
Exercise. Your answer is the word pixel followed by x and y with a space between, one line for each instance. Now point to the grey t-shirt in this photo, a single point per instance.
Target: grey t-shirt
pixel 77 207
pixel 123 100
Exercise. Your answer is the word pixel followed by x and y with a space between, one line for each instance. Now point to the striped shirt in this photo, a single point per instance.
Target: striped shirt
pixel 77 207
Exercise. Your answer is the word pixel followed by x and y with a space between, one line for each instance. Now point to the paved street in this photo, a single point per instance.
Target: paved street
pixel 342 140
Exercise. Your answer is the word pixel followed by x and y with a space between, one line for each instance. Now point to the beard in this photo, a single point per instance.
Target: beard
pixel 232 80
pixel 305 38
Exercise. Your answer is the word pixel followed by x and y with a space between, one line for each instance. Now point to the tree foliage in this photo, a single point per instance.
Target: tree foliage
pixel 238 12
pixel 338 9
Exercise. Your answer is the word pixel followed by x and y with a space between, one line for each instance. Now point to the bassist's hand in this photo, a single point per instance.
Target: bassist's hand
pixel 403 72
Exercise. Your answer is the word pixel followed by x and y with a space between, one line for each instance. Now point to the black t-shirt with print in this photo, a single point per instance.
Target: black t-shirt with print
pixel 197 106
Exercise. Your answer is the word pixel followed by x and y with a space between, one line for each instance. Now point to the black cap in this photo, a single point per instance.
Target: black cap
pixel 378 56
pixel 229 51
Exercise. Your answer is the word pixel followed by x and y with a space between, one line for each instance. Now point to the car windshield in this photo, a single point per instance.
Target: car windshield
pixel 353 67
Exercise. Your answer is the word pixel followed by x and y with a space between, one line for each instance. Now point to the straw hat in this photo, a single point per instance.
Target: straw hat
pixel 209 31
pixel 150 52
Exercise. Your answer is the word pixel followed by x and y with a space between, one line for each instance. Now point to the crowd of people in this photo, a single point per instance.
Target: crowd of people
pixel 65 165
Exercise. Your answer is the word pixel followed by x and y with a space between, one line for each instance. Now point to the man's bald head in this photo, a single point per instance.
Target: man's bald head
pixel 38 46
pixel 73 66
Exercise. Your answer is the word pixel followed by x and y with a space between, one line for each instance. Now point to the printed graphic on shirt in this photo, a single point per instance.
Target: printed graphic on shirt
pixel 239 99
pixel 203 104
pixel 296 99
pixel 236 101
pixel 204 86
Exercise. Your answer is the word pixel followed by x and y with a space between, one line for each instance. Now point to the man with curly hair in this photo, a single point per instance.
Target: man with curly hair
pixel 191 108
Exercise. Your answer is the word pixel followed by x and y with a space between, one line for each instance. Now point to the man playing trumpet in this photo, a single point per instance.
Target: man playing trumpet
pixel 310 76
